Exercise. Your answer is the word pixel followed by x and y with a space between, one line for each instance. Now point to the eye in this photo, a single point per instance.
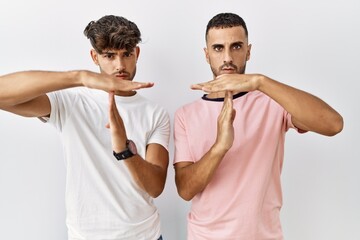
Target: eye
pixel 108 56
pixel 218 48
pixel 128 54
pixel 237 46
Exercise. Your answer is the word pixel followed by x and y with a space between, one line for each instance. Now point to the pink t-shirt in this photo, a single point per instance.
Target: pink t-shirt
pixel 244 198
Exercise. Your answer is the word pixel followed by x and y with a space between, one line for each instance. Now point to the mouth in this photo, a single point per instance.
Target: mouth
pixel 122 76
pixel 228 70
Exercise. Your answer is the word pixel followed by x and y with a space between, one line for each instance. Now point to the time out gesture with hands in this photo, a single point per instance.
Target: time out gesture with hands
pixel 319 118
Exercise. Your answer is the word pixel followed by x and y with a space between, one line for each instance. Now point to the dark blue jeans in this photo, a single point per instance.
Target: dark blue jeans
pixel 160 238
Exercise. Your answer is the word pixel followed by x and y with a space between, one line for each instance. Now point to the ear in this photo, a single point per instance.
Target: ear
pixel 94 56
pixel 206 55
pixel 248 52
pixel 137 51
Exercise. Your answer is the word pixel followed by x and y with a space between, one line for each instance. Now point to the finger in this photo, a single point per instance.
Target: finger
pixel 228 104
pixel 116 120
pixel 207 87
pixel 197 86
pixel 111 105
pixel 229 97
pixel 200 86
pixel 223 113
pixel 213 86
pixel 111 102
pixel 140 85
pixel 114 115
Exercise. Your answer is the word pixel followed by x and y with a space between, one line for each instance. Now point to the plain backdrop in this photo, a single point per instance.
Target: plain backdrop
pixel 311 45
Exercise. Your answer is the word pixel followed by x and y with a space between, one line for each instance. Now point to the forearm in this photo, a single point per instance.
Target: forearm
pixel 150 177
pixel 20 87
pixel 308 112
pixel 193 178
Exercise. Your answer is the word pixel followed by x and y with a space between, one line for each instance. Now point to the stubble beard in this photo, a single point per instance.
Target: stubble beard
pixel 217 72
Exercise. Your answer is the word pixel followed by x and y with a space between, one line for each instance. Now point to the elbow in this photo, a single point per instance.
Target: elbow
pixel 156 193
pixel 336 126
pixel 6 102
pixel 186 188
pixel 186 195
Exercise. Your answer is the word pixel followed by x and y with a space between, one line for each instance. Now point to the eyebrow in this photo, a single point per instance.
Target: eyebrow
pixel 109 53
pixel 237 43
pixel 217 45
pixel 232 44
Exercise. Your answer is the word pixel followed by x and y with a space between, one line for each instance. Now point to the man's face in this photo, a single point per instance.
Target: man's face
pixel 119 63
pixel 227 50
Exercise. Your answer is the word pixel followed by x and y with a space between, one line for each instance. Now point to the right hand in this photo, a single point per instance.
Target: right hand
pixel 110 83
pixel 116 126
pixel 225 128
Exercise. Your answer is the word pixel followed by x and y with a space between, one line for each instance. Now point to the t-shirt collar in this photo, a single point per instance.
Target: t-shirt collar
pixel 204 97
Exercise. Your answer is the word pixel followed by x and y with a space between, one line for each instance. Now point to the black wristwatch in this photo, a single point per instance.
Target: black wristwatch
pixel 128 152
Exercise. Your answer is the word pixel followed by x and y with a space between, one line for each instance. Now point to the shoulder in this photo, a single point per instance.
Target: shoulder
pixel 148 102
pixel 73 92
pixel 260 98
pixel 190 107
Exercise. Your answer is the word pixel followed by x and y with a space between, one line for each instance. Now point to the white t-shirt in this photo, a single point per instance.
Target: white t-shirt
pixel 102 199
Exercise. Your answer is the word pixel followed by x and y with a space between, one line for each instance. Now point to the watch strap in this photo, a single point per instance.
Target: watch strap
pixel 123 155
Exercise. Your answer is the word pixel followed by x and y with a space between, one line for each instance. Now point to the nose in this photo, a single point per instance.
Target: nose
pixel 119 64
pixel 228 57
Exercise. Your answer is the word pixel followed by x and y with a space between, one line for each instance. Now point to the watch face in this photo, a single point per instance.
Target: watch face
pixel 132 147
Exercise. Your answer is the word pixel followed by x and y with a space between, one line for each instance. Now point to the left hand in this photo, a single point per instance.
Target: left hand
pixel 230 82
pixel 225 128
pixel 116 126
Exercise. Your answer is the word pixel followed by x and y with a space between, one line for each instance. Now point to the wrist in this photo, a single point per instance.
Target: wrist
pixel 219 150
pixel 76 77
pixel 128 152
pixel 260 82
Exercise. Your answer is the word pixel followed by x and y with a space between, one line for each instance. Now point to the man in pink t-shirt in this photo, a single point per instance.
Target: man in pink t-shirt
pixel 229 145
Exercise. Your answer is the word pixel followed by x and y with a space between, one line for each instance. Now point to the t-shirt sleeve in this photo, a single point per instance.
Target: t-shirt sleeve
pixel 182 150
pixel 161 133
pixel 289 123
pixel 61 107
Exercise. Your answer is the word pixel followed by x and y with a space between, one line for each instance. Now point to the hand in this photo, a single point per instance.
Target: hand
pixel 230 82
pixel 110 83
pixel 225 128
pixel 116 126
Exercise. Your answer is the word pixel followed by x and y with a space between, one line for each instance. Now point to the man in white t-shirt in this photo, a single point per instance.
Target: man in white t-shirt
pixel 112 174
pixel 229 145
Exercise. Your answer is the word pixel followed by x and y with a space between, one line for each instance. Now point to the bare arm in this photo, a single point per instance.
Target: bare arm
pixel 308 112
pixel 149 174
pixel 192 178
pixel 24 93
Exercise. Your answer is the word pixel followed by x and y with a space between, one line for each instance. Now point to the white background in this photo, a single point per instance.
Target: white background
pixel 311 45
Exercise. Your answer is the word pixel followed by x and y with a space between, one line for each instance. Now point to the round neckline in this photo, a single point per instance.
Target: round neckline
pixel 240 94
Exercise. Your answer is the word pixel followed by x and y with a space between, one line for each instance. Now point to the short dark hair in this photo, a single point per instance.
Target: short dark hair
pixel 226 20
pixel 112 32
